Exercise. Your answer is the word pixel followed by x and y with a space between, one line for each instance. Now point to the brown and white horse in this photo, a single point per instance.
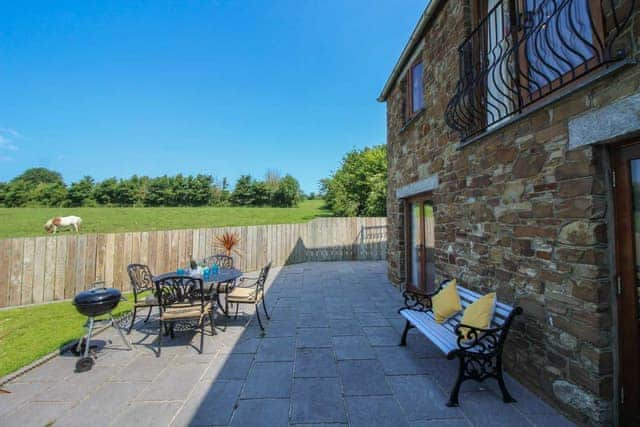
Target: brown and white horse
pixel 53 224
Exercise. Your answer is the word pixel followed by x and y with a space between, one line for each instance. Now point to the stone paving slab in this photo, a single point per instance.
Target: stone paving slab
pixel 150 414
pixel 210 403
pixel 422 398
pixel 379 411
pixel 269 380
pixel 315 363
pixel 262 412
pixel 38 413
pixel 280 349
pixel 363 378
pixel 313 338
pixel 317 400
pixel 329 356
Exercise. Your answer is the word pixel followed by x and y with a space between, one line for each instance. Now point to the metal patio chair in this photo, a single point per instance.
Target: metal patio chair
pixel 182 299
pixel 222 261
pixel 141 282
pixel 251 293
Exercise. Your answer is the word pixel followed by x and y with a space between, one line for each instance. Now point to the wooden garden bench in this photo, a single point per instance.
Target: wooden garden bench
pixel 480 354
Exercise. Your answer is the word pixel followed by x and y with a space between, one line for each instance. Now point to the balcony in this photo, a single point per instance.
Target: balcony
pixel 522 51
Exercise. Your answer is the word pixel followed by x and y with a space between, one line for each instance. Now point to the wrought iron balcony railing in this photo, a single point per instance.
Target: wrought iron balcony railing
pixel 524 50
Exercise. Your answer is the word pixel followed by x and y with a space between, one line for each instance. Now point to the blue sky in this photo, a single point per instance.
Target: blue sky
pixel 217 87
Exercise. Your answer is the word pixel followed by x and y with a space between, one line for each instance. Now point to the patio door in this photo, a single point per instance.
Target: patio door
pixel 626 164
pixel 420 244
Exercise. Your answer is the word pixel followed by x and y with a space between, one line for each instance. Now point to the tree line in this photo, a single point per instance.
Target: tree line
pixel 41 187
pixel 357 188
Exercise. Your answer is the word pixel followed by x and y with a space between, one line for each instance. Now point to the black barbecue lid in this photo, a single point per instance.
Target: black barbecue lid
pixel 97 295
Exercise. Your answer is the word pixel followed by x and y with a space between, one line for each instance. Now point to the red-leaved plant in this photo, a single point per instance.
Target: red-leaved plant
pixel 228 242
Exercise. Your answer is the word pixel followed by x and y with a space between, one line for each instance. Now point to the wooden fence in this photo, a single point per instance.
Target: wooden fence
pixel 42 269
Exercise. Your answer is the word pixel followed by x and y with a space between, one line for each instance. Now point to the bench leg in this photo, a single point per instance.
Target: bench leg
pixel 506 396
pixel 453 397
pixel 468 371
pixel 403 341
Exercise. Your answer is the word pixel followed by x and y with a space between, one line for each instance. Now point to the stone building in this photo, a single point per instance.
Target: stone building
pixel 512 167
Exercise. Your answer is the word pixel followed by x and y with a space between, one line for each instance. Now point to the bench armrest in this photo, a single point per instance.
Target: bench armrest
pixel 481 340
pixel 420 301
pixel 487 341
pixel 416 301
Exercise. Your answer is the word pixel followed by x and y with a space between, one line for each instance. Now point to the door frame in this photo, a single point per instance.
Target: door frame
pixel 421 198
pixel 626 294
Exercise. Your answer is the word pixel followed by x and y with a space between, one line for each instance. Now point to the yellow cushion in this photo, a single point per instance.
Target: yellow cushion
pixel 185 312
pixel 446 303
pixel 479 313
pixel 242 295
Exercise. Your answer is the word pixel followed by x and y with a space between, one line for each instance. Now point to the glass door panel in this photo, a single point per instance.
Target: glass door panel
pixel 416 241
pixel 430 248
pixel 421 246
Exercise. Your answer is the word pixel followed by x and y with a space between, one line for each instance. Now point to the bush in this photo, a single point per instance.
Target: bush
pixel 275 191
pixel 81 193
pixel 243 194
pixel 359 186
pixel 49 194
pixel 287 193
pixel 34 187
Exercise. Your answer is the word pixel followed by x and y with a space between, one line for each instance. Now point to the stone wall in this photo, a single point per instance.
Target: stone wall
pixel 520 213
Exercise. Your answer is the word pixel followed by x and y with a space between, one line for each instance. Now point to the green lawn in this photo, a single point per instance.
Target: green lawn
pixel 23 222
pixel 28 333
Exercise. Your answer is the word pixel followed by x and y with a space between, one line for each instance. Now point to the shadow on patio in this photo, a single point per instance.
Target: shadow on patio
pixel 329 354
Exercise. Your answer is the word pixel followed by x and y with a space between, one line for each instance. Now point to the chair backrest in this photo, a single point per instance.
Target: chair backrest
pixel 141 278
pixel 180 290
pixel 222 261
pixel 262 277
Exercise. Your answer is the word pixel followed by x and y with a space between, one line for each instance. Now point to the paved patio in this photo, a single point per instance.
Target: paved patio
pixel 330 355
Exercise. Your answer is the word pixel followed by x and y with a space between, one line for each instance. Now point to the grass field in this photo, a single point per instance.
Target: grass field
pixel 28 333
pixel 24 222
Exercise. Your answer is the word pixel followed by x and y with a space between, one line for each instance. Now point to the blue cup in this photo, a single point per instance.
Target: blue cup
pixel 206 274
pixel 180 272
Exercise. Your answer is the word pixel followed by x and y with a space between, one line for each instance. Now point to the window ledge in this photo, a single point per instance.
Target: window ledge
pixel 545 102
pixel 411 120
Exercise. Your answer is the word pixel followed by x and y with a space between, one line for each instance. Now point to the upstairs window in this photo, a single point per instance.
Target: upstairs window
pixel 415 91
pixel 417 100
